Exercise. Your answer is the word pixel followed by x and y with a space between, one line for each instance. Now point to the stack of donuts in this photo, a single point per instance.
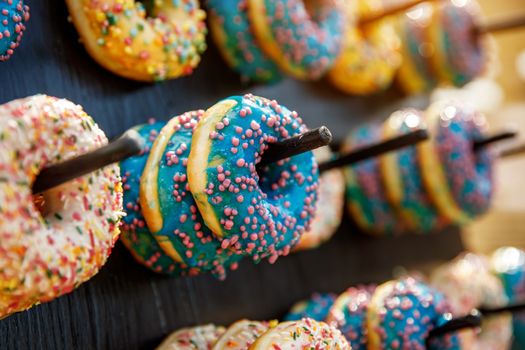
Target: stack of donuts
pixel 195 200
pixel 305 333
pixel 440 45
pixel 400 314
pixel 52 242
pixel 426 187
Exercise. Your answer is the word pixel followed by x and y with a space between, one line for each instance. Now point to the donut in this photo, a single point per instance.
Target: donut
pixel 261 214
pixel 240 335
pixel 120 36
pixel 459 54
pixel 304 41
pixel 52 242
pixel 231 32
pixel 468 283
pixel 365 192
pixel 316 308
pixel 402 176
pixel 302 334
pixel 169 208
pixel 458 180
pixel 349 313
pixel 135 233
pixel 193 338
pixel 13 16
pixel 329 208
pixel 508 263
pixel 370 56
pixel 415 75
pixel 401 314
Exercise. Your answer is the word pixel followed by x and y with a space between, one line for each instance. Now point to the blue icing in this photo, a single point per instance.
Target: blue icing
pixel 423 214
pixel 241 49
pixel 410 311
pixel 310 42
pixel 518 325
pixel 183 226
pixel 349 314
pixel 260 216
pixel 367 192
pixel 135 233
pixel 317 308
pixel 12 19
pixel 476 186
pixel 412 32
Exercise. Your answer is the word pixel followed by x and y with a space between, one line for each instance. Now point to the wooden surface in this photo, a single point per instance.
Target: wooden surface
pixel 127 307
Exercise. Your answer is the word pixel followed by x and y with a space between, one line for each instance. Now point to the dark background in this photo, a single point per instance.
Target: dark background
pixel 128 307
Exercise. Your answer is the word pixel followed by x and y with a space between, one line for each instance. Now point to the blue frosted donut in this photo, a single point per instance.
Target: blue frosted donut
pixel 349 314
pixel 135 233
pixel 459 55
pixel 365 190
pixel 508 263
pixel 402 313
pixel 317 308
pixel 415 75
pixel 303 44
pixel 13 15
pixel 402 176
pixel 259 214
pixel 168 206
pixel 231 32
pixel 458 179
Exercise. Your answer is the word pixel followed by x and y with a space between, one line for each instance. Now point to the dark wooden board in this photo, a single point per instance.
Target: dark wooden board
pixel 127 307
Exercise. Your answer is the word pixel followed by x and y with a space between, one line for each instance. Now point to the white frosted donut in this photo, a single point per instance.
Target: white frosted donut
pixel 240 335
pixel 50 244
pixel 193 338
pixel 302 334
pixel 329 206
pixel 468 283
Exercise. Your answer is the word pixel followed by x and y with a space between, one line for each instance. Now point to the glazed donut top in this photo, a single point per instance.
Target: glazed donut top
pixel 121 37
pixel 51 243
pixel 13 15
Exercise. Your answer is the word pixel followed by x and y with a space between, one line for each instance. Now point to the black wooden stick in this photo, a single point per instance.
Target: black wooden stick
pixel 508 308
pixel 376 149
pixel 500 136
pixel 501 25
pixel 129 144
pixel 473 320
pixel 293 146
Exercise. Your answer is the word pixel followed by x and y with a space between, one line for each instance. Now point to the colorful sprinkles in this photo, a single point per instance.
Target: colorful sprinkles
pixel 121 36
pixel 51 243
pixel 303 44
pixel 231 31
